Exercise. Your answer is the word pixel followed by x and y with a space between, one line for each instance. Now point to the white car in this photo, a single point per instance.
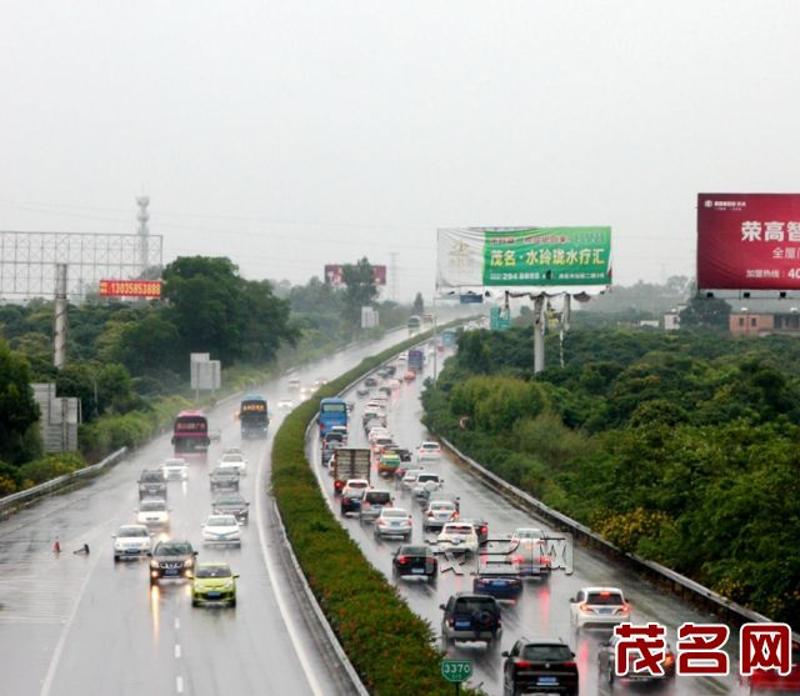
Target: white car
pixel 403 357
pixel 175 468
pixel 233 460
pixel 222 529
pixel 394 522
pixel 523 535
pixel 599 606
pixel 153 513
pixel 410 478
pixel 529 553
pixel 439 513
pixel 427 482
pixel 354 487
pixel 285 404
pixel 376 432
pixel 132 541
pixel 458 536
pixel 429 451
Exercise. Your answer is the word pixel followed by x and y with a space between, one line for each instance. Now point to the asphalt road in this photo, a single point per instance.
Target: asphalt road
pixel 73 625
pixel 543 610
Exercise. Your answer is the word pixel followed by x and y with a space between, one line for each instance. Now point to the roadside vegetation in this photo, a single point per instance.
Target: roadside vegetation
pixel 679 446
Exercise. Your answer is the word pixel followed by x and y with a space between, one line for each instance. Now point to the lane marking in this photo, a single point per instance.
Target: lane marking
pixel 177 623
pixel 179 684
pixel 177 651
pixel 299 648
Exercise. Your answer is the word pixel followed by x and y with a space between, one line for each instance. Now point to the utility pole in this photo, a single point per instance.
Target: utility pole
pixel 144 232
pixel 393 272
pixel 60 317
pixel 539 324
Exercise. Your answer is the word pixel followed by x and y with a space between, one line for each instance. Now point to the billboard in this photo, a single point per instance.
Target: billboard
pixel 515 257
pixel 748 241
pixel 130 288
pixel 334 277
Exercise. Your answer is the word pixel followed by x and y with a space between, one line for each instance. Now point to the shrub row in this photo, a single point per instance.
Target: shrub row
pixel 391 648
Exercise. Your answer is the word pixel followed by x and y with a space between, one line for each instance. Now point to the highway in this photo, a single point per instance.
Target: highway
pixel 543 610
pixel 73 625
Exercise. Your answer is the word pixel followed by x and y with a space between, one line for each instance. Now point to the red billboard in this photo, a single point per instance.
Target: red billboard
pixel 333 275
pixel 130 288
pixel 748 241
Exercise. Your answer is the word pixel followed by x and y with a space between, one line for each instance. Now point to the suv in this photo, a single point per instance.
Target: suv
pixel 473 617
pixel 152 484
pixel 599 606
pixel 224 478
pixel 540 667
pixel 373 502
pixel 171 559
pixel 606 662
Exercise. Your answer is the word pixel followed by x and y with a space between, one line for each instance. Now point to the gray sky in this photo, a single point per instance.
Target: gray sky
pixel 290 134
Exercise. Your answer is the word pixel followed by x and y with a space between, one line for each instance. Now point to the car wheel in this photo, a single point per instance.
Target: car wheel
pixel 233 602
pixel 116 558
pixel 195 603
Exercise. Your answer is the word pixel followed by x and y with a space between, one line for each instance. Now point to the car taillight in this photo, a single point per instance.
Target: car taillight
pixel 570 664
pixel 430 513
pixel 402 559
pixel 484 529
pixel 545 560
pixel 583 606
pixel 624 609
pixel 669 659
pixel 524 664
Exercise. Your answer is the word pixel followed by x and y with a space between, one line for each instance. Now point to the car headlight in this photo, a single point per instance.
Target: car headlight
pixel 189 563
pixel 154 564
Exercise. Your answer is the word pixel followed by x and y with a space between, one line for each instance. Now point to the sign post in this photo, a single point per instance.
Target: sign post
pixel 456 671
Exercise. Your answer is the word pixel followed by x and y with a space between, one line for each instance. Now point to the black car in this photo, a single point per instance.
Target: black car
pixel 352 502
pixel 224 478
pixel 171 559
pixel 232 504
pixel 416 561
pixel 471 617
pixel 404 454
pixel 152 484
pixel 540 668
pixel 370 382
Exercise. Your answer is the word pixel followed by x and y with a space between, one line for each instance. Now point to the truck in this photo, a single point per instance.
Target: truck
pixel 350 463
pixel 416 359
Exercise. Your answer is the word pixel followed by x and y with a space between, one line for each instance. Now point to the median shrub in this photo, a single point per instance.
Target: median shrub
pixel 388 644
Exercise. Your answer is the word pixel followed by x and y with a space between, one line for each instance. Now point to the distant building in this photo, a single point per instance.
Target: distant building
pixel 746 323
pixel 59 418
pixel 672 321
pixel 650 323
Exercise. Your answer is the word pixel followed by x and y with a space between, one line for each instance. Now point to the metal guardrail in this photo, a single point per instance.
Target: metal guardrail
pixel 20 499
pixel 678 583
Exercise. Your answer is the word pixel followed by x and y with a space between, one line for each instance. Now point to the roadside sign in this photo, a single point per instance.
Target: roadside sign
pixel 456 671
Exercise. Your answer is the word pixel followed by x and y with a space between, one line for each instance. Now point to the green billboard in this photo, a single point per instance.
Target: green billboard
pixel 547 256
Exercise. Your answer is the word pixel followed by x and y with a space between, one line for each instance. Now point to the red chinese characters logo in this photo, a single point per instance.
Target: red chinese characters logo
pixel 640 649
pixel 701 649
pixel 764 647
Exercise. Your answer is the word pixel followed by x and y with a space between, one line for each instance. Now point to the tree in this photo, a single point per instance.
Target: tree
pixel 419 305
pixel 361 291
pixel 18 409
pixel 706 312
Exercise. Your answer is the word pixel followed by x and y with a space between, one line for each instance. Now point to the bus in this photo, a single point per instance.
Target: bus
pixel 449 338
pixel 190 435
pixel 253 416
pixel 414 322
pixel 331 412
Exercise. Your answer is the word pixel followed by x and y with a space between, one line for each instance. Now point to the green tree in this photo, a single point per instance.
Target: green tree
pixel 706 312
pixel 18 409
pixel 419 305
pixel 359 280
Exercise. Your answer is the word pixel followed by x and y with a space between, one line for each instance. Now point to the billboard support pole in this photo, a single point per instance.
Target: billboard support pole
pixel 538 334
pixel 60 317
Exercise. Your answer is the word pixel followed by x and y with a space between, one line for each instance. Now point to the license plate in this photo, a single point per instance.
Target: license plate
pixel 132 551
pixel 395 524
pixel 499 583
pixel 463 624
pixel 605 611
pixel 212 595
pixel 418 571
pixel 547 681
pixel 171 571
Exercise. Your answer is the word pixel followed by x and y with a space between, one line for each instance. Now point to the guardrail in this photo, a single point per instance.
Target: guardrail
pixel 678 584
pixel 15 500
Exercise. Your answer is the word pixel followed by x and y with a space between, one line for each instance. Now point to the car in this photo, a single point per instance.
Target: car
pixel 215 435
pixel 175 468
pixel 771 682
pixel 439 513
pixel 385 389
pixel 481 527
pixel 233 460
pixel 540 667
pixel 285 404
pixel 429 451
pixel 132 541
pixel 393 522
pixel 371 382
pixel 404 454
pixel 153 513
pixel 340 430
pixel 352 494
pixel 471 617
pixel 410 478
pixel 233 450
pixel 498 580
pixel 599 606
pixel 224 478
pixel 377 431
pixel 362 391
pixel 606 658
pixel 409 376
pixel 416 561
pixel 388 464
pixel 214 583
pixel 294 384
pixel 151 484
pixel 427 483
pixel 372 504
pixel 458 537
pixel 231 504
pixel 327 452
pixel 403 357
pixel 222 529
pixel 171 559
pixel 528 552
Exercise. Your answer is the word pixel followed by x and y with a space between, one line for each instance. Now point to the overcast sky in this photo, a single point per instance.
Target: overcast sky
pixel 290 134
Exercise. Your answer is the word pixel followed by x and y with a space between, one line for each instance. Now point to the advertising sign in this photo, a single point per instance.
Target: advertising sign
pixel 748 241
pixel 335 278
pixel 524 257
pixel 130 288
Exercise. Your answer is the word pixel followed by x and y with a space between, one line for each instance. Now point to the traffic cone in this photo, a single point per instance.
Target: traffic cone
pixel 56 546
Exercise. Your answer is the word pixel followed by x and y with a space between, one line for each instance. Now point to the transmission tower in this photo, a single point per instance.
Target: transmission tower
pixel 144 232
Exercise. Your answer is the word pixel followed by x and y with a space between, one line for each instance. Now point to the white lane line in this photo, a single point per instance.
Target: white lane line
pixel 299 648
pixel 177 651
pixel 177 623
pixel 179 684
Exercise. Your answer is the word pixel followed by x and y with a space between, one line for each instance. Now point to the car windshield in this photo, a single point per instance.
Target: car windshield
pixel 213 572
pixel 132 532
pixel 153 506
pixel 229 500
pixel 381 498
pixel 532 533
pixel 175 462
pixel 151 476
pixel 440 507
pixel 547 653
pixel 394 512
pixel 424 478
pixel 470 605
pixel 430 445
pixel 413 550
pixel 221 521
pixel 411 475
pixel 231 457
pixel 604 598
pixel 458 529
pixel 357 484
pixel 173 549
pixel 226 471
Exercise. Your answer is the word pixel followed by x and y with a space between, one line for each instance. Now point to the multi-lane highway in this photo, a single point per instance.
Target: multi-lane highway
pixel 73 624
pixel 543 611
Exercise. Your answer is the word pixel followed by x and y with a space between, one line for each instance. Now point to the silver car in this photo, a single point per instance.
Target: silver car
pixel 373 503
pixel 394 522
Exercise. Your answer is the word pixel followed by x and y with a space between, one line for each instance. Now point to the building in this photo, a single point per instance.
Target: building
pixel 672 320
pixel 747 323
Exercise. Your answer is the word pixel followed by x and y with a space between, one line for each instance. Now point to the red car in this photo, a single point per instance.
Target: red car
pixel 410 376
pixel 770 682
